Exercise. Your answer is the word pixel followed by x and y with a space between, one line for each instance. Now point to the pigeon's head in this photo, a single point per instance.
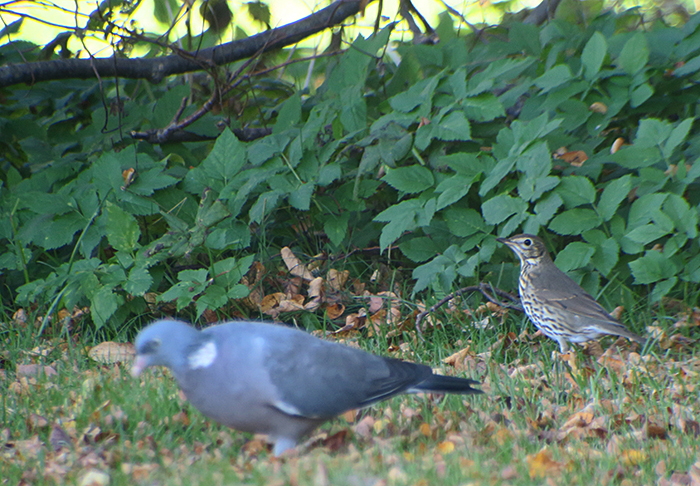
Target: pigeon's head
pixel 529 248
pixel 163 343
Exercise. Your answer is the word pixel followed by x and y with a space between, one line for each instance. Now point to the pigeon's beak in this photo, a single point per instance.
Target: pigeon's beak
pixel 139 364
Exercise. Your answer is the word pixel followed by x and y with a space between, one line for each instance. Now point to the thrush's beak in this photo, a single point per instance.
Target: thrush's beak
pixel 501 240
pixel 139 364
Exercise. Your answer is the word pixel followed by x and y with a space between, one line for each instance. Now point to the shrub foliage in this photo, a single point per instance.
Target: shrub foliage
pixel 462 141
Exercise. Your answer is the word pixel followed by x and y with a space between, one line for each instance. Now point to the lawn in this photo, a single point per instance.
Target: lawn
pixel 607 414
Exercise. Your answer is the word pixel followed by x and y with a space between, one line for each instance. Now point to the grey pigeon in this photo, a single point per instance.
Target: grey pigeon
pixel 277 380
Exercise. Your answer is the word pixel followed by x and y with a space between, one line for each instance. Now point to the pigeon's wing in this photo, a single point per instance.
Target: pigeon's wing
pixel 315 378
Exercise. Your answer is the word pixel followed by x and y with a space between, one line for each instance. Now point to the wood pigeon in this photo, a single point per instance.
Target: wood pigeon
pixel 277 380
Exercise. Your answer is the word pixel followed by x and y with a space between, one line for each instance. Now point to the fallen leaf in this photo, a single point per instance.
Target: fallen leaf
pixel 445 447
pixel 94 477
pixel 110 352
pixel 294 265
pixel 35 370
pixel 542 465
pixel 632 457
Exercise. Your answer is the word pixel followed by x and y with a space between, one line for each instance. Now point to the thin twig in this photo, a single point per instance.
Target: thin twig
pixel 484 289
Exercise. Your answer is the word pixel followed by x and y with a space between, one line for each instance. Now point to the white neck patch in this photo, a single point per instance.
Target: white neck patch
pixel 203 357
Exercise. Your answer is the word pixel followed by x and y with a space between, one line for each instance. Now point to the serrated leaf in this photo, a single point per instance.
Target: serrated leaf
pixel 139 281
pixel 554 77
pixel 613 194
pixel 289 115
pixel 677 136
pixel 336 227
pixel 574 221
pixel 575 191
pixel 411 179
pixel 606 256
pixel 103 304
pixel 419 249
pixel 452 189
pixel 213 298
pixel 464 222
pixel 575 255
pixel 453 127
pixel 499 208
pixel 122 230
pixel 650 268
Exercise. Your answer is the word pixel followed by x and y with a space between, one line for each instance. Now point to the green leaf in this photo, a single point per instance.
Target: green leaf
pixel 683 216
pixel 650 268
pixel 553 78
pixel 652 133
pixel 139 281
pixel 259 11
pixel 635 54
pixel 453 127
pixel 411 179
pixel 463 222
pixel 574 221
pixel 484 107
pixel 613 194
pixel 647 233
pixel 640 95
pixel 575 255
pixel 452 189
pixel 336 227
pixel 575 191
pixel 123 231
pixel 593 55
pixel 606 255
pixel 213 298
pixel 103 305
pixel 290 114
pixel 499 208
pixel 419 249
pixel 301 197
pixel 679 133
pixel 662 288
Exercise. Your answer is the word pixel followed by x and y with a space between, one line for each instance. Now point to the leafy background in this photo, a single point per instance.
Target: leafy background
pixel 380 190
pixel 429 160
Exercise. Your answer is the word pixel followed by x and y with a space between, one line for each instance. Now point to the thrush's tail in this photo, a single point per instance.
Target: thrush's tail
pixel 446 384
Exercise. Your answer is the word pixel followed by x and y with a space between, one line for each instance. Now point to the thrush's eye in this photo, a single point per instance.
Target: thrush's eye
pixel 527 242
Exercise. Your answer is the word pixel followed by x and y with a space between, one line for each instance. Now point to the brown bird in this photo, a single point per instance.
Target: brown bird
pixel 557 305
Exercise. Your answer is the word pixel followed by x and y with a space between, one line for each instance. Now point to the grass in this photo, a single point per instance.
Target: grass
pixel 593 418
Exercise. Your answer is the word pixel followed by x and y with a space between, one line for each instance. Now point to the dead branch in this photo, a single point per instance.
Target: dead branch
pixel 155 69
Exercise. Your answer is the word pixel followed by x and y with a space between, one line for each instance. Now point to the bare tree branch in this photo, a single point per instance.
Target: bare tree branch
pixel 155 69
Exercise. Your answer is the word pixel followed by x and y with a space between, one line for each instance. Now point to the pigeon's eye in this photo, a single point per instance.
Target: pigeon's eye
pixel 527 242
pixel 152 345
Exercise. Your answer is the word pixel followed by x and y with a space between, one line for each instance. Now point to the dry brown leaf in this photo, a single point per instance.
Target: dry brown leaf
pixel 36 421
pixel 575 158
pixel 294 265
pixel 542 465
pixel 335 311
pixel 35 370
pixel 110 352
pixel 598 107
pixel 632 457
pixel 458 357
pixel 364 427
pixel 617 144
pixel 446 447
pixel 337 279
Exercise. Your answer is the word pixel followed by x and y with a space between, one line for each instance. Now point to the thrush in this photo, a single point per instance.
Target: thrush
pixel 557 305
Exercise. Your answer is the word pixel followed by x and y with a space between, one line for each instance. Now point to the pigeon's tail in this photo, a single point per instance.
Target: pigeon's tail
pixel 446 384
